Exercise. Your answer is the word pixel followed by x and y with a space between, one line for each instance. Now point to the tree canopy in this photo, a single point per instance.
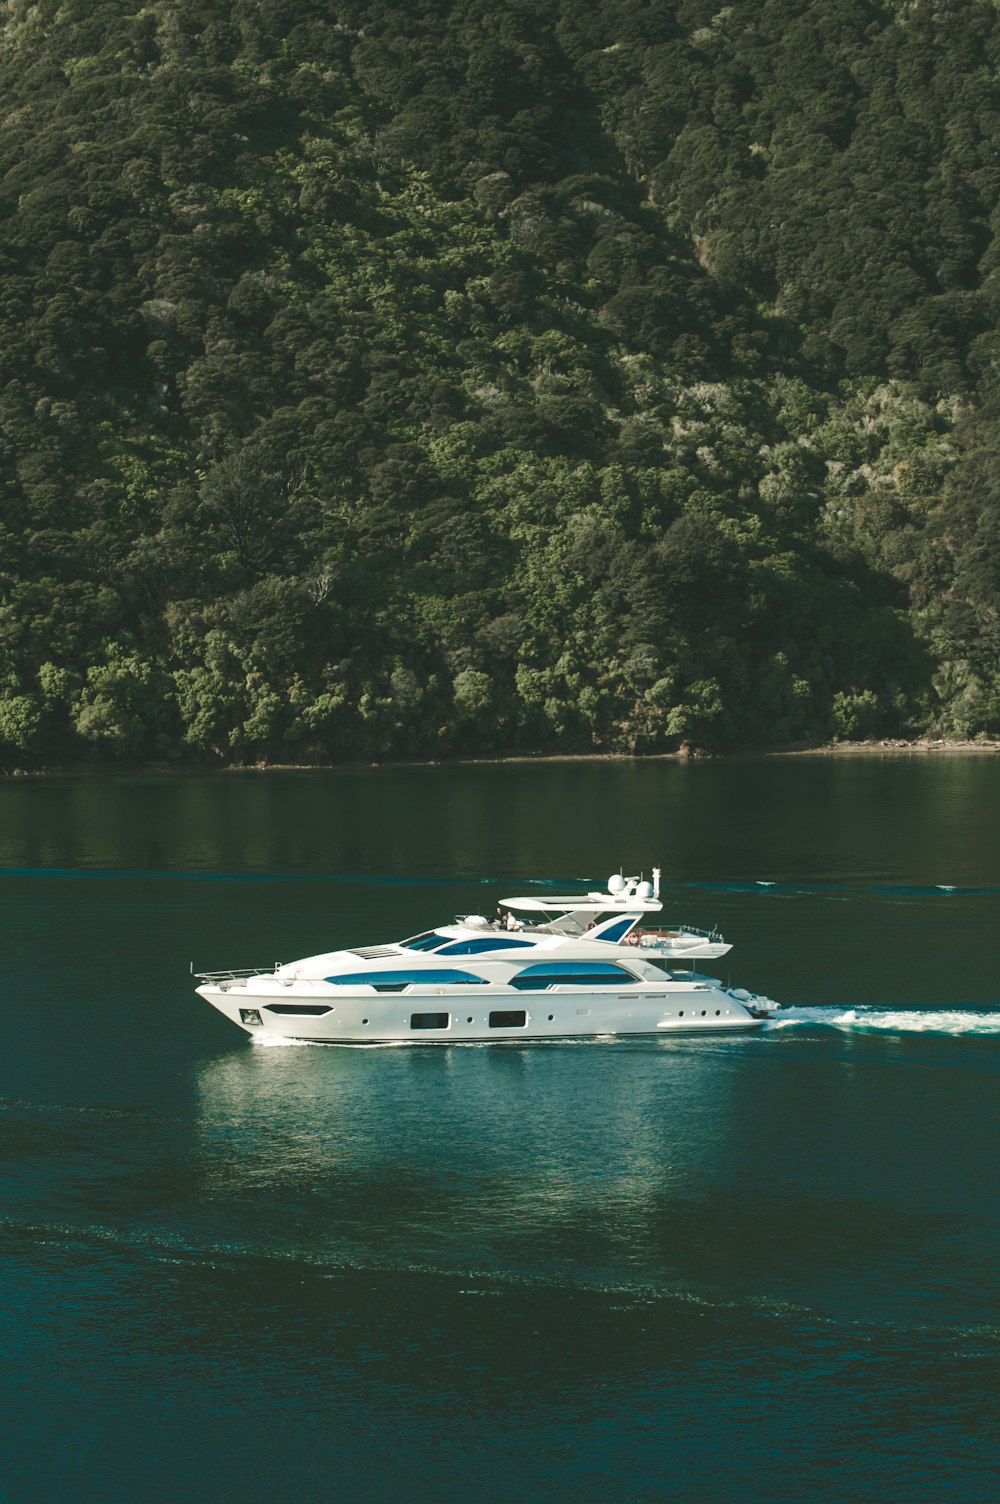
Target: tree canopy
pixel 428 376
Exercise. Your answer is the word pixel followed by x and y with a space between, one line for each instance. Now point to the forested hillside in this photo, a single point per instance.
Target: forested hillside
pixel 412 377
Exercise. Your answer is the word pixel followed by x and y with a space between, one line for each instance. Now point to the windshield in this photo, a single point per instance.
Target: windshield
pixel 429 940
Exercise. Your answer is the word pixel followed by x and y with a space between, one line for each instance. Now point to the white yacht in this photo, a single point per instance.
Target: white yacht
pixel 569 967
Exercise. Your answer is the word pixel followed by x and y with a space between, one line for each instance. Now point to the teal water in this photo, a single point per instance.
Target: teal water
pixel 757 1268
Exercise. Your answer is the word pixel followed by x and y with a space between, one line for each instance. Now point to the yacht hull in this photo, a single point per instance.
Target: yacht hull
pixel 319 1014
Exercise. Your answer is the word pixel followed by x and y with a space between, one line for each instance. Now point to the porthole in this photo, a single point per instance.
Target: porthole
pixel 364 1020
pixel 551 1017
pixel 468 1020
pixel 681 1013
pixel 718 1011
pixel 703 1013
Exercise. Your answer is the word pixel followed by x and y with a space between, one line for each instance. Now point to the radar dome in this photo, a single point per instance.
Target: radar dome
pixel 644 890
pixel 616 883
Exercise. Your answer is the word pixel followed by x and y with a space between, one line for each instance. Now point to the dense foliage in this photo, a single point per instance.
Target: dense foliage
pixel 405 376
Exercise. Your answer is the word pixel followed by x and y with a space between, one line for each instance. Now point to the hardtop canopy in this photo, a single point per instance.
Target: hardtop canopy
pixel 623 893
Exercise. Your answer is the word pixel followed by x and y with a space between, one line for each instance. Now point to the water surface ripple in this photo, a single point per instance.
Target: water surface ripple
pixel 760 1267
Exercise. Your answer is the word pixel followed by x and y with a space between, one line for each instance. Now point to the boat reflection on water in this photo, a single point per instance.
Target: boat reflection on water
pixel 528 1159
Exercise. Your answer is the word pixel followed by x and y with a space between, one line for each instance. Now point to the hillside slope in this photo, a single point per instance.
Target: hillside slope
pixel 418 378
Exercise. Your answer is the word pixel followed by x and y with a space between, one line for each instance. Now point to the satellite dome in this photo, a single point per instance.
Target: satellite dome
pixel 616 883
pixel 644 890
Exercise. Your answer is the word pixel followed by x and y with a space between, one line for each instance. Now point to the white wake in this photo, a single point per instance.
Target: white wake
pixel 955 1021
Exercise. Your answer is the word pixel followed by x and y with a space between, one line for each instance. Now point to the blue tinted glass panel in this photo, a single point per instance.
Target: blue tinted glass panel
pixel 615 931
pixel 395 981
pixel 580 973
pixel 430 941
pixel 476 947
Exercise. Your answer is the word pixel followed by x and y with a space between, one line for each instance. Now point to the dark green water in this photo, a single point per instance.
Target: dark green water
pixel 751 1268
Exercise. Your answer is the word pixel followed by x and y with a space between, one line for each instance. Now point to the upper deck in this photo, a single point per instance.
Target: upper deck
pixel 567 927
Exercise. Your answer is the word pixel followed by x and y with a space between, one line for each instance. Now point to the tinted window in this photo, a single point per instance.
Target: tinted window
pixel 428 941
pixel 580 973
pixel 615 931
pixel 508 1018
pixel 429 1020
pixel 395 981
pixel 475 947
pixel 302 1009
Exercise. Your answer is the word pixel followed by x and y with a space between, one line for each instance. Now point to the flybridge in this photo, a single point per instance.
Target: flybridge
pixel 633 893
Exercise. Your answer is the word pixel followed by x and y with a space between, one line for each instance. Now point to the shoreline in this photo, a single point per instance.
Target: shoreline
pixel 920 745
pixel 882 747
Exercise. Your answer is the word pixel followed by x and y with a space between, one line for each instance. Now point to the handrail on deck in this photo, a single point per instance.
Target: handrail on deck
pixel 677 932
pixel 234 975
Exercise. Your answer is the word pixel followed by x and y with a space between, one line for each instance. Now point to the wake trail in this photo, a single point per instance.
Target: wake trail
pixel 871 1018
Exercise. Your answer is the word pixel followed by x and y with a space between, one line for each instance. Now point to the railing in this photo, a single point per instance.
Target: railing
pixel 650 937
pixel 234 976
